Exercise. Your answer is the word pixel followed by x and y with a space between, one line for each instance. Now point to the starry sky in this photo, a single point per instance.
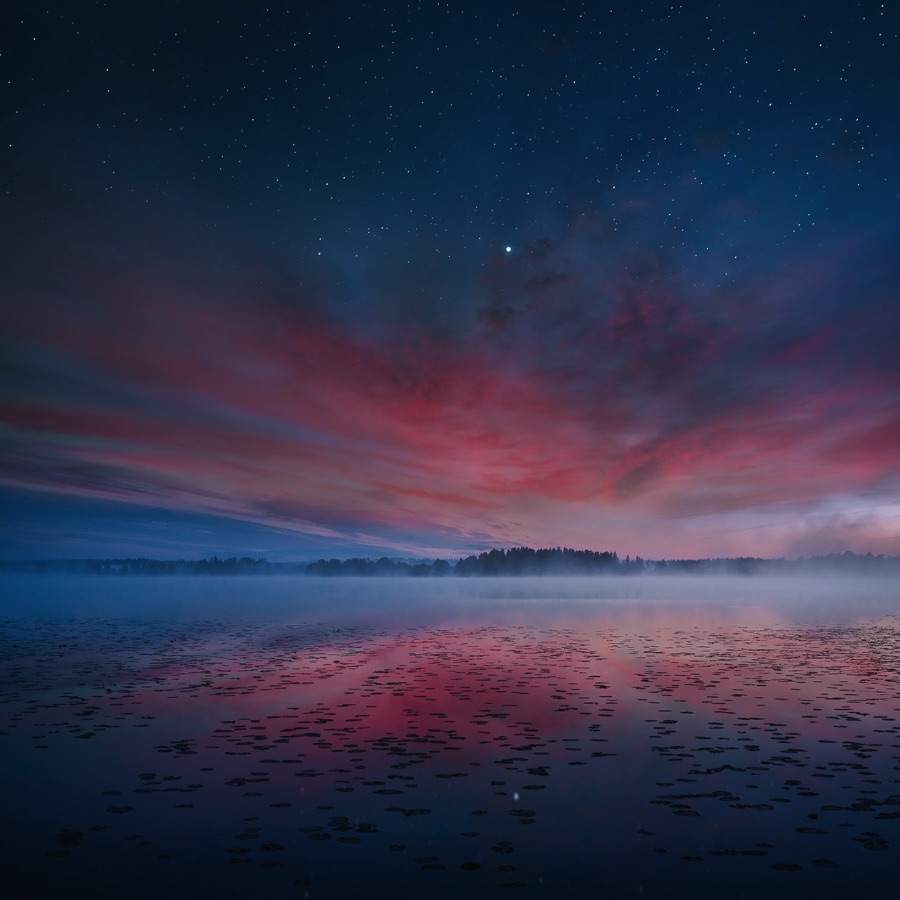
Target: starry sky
pixel 426 278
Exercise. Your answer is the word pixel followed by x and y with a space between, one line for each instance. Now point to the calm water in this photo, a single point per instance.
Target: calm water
pixel 246 737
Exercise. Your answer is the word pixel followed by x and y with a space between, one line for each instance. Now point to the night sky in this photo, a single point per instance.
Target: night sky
pixel 426 278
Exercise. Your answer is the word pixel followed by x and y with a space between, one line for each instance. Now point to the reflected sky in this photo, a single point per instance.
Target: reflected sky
pixel 519 746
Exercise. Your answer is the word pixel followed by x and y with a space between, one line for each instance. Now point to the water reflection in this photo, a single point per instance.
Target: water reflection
pixel 539 747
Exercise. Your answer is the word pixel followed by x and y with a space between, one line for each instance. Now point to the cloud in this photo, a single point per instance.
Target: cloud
pixel 587 377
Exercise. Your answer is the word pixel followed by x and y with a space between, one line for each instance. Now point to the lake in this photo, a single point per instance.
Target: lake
pixel 302 737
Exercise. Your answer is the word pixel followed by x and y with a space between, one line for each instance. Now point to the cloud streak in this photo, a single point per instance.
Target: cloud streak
pixel 281 296
pixel 589 384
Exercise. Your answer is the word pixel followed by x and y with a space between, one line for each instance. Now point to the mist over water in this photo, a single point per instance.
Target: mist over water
pixel 292 598
pixel 308 737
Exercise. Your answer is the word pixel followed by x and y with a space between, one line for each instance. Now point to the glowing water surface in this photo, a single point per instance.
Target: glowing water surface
pixel 295 737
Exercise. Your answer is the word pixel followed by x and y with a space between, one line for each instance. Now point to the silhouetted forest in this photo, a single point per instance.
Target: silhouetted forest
pixel 518 561
pixel 211 566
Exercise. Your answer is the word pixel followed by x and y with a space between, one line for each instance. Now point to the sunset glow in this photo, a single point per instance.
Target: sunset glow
pixel 664 321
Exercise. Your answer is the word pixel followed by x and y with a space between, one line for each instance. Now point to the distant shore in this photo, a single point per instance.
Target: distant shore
pixel 518 561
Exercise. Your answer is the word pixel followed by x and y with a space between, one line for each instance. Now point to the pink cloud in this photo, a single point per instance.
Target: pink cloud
pixel 585 395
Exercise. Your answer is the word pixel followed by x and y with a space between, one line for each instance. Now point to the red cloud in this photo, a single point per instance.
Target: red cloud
pixel 597 392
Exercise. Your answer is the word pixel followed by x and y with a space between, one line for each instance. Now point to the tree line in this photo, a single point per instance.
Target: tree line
pixel 517 561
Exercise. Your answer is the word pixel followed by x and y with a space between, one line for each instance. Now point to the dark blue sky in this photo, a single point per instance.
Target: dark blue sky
pixel 427 278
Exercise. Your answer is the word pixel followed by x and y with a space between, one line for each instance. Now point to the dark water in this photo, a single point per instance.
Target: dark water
pixel 305 738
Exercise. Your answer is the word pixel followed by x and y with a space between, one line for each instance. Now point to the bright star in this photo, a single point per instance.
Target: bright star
pixel 509 249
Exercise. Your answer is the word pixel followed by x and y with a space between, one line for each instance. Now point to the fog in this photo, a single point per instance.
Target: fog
pixel 428 601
